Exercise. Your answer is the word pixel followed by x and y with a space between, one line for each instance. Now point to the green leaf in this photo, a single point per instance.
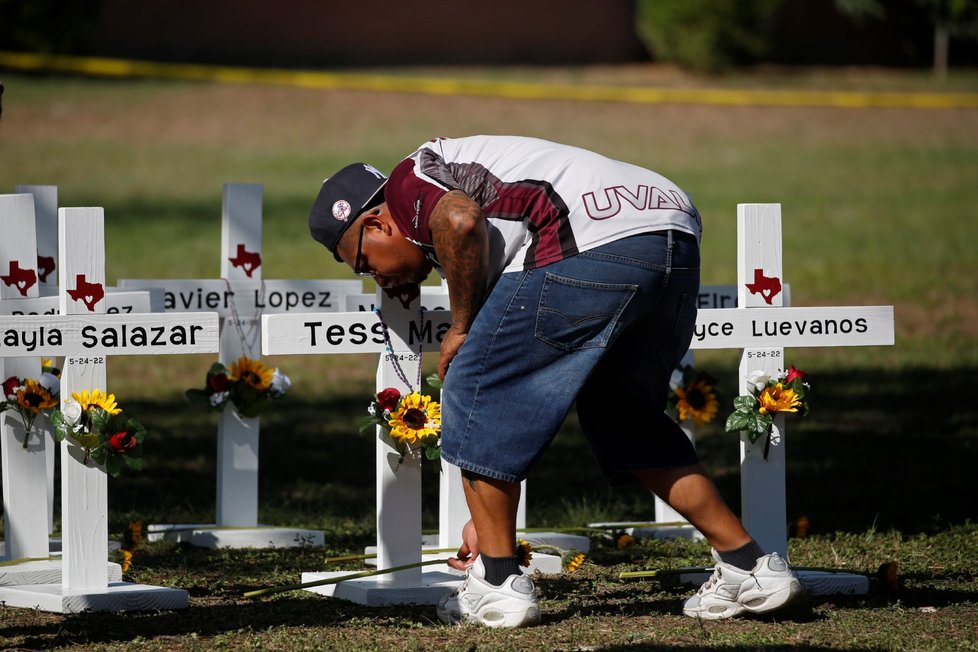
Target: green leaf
pixel 434 381
pixel 59 425
pixel 253 409
pixel 759 425
pixel 100 419
pixel 432 453
pixel 115 423
pixel 739 420
pixel 745 402
pixel 87 440
pixel 369 422
pixel 113 465
pixel 98 455
pixel 137 429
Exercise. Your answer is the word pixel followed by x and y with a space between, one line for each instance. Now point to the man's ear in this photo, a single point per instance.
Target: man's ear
pixel 378 222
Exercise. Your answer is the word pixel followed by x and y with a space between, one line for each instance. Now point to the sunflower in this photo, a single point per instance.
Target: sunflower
pixel 523 553
pixel 34 398
pixel 624 541
pixel 98 399
pixel 698 402
pixel 775 398
pixel 417 418
pixel 575 562
pixel 251 372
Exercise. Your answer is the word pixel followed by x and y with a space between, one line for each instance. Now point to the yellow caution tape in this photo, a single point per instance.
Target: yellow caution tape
pixel 105 67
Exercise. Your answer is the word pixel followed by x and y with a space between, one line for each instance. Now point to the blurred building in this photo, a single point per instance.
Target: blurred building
pixel 370 32
pixel 331 33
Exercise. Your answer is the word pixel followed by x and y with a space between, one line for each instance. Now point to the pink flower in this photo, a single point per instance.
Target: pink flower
pixel 122 442
pixel 388 398
pixel 794 372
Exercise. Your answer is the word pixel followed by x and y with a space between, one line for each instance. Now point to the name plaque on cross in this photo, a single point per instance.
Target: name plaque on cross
pixel 809 326
pixel 99 335
pixel 346 332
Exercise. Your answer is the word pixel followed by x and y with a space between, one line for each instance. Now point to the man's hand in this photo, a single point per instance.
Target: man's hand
pixel 451 342
pixel 469 549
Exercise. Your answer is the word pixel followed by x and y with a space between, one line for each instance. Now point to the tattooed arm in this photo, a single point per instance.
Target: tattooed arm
pixel 458 232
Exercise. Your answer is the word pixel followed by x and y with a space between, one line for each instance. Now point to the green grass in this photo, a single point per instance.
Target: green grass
pixel 878 208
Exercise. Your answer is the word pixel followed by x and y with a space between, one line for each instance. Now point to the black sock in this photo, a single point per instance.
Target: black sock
pixel 499 568
pixel 744 557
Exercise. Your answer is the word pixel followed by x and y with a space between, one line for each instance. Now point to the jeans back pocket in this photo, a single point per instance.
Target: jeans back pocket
pixel 575 314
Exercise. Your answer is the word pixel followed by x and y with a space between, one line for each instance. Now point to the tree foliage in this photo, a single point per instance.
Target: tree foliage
pixel 705 35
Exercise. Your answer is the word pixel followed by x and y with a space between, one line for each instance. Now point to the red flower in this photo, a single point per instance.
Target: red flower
pixel 793 373
pixel 218 383
pixel 9 386
pixel 387 399
pixel 122 442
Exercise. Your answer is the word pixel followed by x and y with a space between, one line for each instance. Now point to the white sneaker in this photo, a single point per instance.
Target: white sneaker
pixel 731 591
pixel 514 604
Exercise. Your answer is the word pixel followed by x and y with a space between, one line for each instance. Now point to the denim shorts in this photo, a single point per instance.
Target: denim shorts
pixel 605 328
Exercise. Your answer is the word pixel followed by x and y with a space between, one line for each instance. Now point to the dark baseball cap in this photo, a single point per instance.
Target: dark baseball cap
pixel 341 200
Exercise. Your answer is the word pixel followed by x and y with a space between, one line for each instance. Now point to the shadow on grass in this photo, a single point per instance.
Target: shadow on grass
pixel 884 450
pixel 880 449
pixel 204 620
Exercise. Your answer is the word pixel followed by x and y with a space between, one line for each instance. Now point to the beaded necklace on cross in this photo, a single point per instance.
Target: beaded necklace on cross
pixel 395 363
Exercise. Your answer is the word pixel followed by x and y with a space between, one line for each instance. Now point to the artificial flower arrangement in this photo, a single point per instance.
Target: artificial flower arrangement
pixel 30 397
pixel 754 412
pixel 411 421
pixel 693 396
pixel 248 385
pixel 94 422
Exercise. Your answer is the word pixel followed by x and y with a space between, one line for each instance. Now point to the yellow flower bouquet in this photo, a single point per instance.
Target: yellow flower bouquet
pixel 412 421
pixel 248 385
pixel 93 421
pixel 30 397
pixel 754 412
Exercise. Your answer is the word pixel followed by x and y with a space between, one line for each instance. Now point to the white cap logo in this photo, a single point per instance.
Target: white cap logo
pixel 341 210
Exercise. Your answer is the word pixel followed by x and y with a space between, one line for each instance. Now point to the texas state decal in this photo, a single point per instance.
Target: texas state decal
pixel 20 278
pixel 766 286
pixel 248 261
pixel 45 265
pixel 88 293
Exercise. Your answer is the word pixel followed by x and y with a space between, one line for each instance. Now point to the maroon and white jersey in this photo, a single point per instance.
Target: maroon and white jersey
pixel 543 201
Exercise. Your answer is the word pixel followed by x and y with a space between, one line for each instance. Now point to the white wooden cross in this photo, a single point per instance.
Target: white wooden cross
pixel 762 327
pixel 241 296
pixel 41 298
pixel 25 491
pixel 398 481
pixel 86 336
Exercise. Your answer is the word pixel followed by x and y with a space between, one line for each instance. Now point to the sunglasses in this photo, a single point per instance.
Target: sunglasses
pixel 357 268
